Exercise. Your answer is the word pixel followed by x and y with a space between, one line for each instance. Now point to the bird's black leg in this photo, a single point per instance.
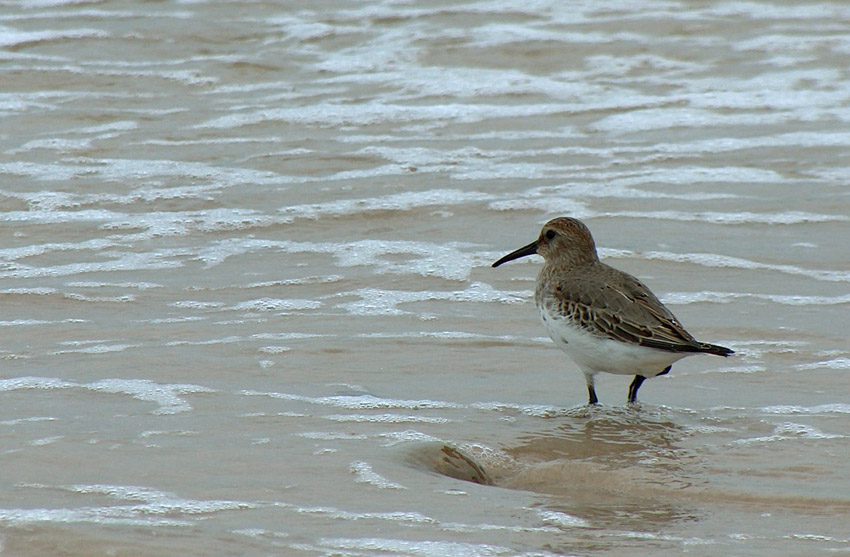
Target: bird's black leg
pixel 666 371
pixel 633 388
pixel 591 392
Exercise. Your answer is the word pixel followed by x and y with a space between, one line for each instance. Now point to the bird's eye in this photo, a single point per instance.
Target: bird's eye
pixel 550 234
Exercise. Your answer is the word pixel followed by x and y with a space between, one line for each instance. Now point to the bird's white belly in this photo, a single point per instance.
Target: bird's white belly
pixel 593 353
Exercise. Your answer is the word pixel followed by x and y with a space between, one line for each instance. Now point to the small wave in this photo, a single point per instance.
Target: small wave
pixel 357 402
pixel 385 418
pixel 835 363
pixel 655 119
pixel 419 548
pixel 166 396
pixel 332 114
pixel 788 431
pixel 819 409
pixel 682 298
pixel 374 301
pixel 148 507
pixel 365 474
pixel 95 284
pixel 10 38
pixel 274 304
pixel 394 202
pixel 97 349
pixel 19 421
pixel 561 519
pixel 723 261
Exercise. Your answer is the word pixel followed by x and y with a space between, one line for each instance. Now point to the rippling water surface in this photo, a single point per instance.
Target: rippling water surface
pixel 247 305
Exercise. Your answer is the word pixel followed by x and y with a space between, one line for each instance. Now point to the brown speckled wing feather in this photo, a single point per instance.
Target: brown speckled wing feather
pixel 616 305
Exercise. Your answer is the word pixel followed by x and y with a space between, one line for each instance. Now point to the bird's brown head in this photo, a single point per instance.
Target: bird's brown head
pixel 564 241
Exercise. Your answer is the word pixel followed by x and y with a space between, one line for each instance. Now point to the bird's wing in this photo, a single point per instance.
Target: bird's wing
pixel 621 308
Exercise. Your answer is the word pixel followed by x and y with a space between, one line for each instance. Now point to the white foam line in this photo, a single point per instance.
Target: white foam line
pixel 356 402
pixel 35 322
pixel 682 298
pixel 46 440
pixel 375 301
pixel 153 508
pixel 451 335
pixel 786 217
pixel 566 204
pixel 534 410
pixel 124 262
pixel 376 112
pixel 835 363
pixel 126 515
pixel 767 12
pixel 165 395
pixel 371 402
pixel 394 202
pixel 724 261
pixel 817 538
pixel 124 170
pixel 654 119
pixel 15 38
pixel 385 418
pixel 836 408
pixel 561 519
pixel 445 260
pixel 419 548
pixel 553 521
pixel 276 304
pixel 97 349
pixel 97 284
pixel 726 144
pixel 365 474
pixel 97 244
pixel 25 420
pixel 789 430
pixel 391 438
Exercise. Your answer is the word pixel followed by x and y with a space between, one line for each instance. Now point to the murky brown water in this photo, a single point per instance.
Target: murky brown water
pixel 247 305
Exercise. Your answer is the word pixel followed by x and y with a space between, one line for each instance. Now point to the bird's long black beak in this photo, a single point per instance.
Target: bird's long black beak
pixel 530 249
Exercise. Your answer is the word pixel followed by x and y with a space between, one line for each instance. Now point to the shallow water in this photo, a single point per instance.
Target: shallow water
pixel 247 305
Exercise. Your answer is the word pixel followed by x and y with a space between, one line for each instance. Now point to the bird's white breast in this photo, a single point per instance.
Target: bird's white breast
pixel 594 353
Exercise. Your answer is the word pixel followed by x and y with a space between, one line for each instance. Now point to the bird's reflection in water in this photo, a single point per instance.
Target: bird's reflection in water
pixel 622 464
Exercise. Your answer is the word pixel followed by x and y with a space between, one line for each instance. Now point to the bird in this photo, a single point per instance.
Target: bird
pixel 605 320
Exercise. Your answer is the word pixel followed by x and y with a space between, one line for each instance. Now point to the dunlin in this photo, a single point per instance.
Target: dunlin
pixel 604 319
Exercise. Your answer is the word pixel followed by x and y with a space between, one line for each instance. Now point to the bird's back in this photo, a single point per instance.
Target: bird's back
pixel 611 303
